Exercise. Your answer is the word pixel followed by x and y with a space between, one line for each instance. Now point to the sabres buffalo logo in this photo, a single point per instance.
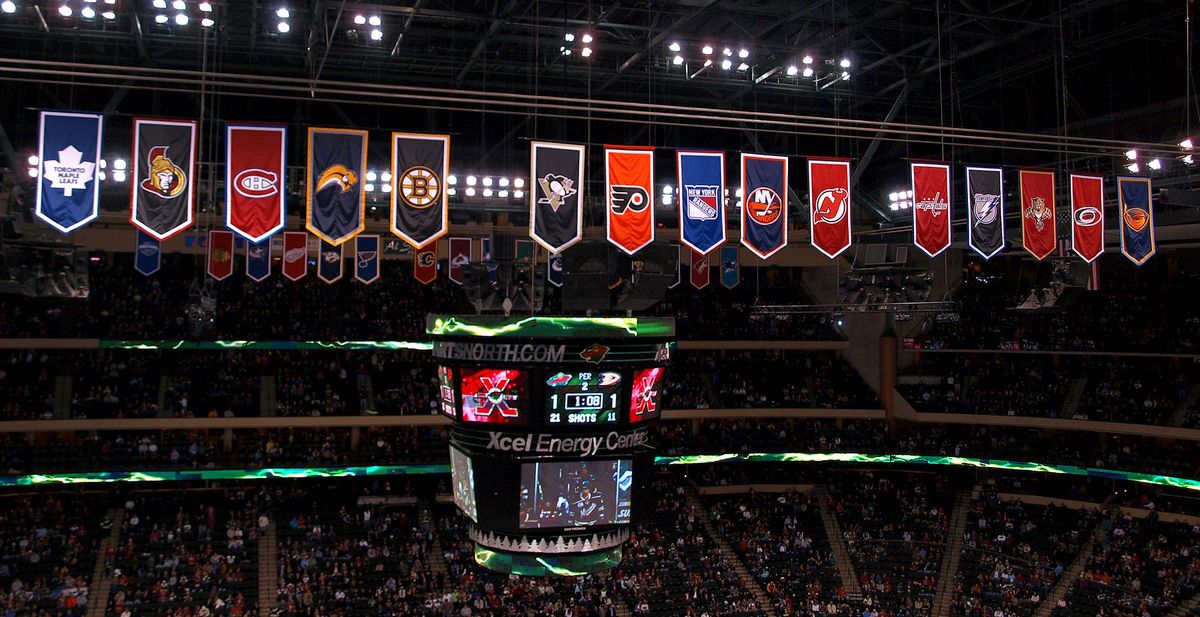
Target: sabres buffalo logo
pixel 166 179
pixel 338 176
pixel 830 206
pixel 1038 212
pixel 595 353
pixel 622 197
pixel 1136 219
pixel 764 206
pixel 420 187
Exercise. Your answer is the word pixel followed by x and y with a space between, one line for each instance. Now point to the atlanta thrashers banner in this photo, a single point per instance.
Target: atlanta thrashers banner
pixel 628 187
pixel 220 254
pixel 556 194
pixel 148 257
pixel 931 207
pixel 1137 219
pixel 329 262
pixel 1087 216
pixel 254 179
pixel 1039 233
pixel 366 258
pixel 985 210
pixel 764 203
pixel 701 200
pixel 730 268
pixel 334 194
pixel 69 158
pixel 425 264
pixel 459 258
pixel 164 166
pixel 420 204
pixel 699 270
pixel 829 218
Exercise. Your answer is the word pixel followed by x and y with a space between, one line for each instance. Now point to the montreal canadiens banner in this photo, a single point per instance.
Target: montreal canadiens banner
pixel 629 190
pixel 699 269
pixel 701 200
pixel 329 262
pixel 1087 216
pixel 829 217
pixel 554 269
pixel 258 260
pixel 255 168
pixel 459 259
pixel 730 268
pixel 295 255
pixel 220 254
pixel 985 210
pixel 69 159
pixel 764 203
pixel 931 207
pixel 420 204
pixel 366 258
pixel 1137 219
pixel 148 255
pixel 425 264
pixel 556 194
pixel 335 198
pixel 164 169
pixel 1039 232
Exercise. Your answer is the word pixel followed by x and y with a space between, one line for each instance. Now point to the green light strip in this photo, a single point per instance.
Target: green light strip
pixel 221 474
pixel 560 571
pixel 549 326
pixel 265 345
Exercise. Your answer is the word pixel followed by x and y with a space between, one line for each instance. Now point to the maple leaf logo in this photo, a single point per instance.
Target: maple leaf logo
pixel 69 172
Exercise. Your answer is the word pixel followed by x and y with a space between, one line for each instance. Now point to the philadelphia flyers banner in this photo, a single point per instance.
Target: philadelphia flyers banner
pixel 1087 216
pixel 931 207
pixel 1137 219
pixel 334 196
pixel 628 189
pixel 764 203
pixel 829 217
pixel 556 195
pixel 1039 232
pixel 425 264
pixel 459 258
pixel 220 254
pixel 164 170
pixel 420 204
pixel 700 270
pixel 255 180
pixel 295 254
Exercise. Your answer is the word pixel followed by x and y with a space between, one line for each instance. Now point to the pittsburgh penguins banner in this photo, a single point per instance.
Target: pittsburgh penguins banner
pixel 220 254
pixel 730 268
pixel 764 203
pixel 69 160
pixel 701 200
pixel 366 258
pixel 148 256
pixel 258 260
pixel 678 266
pixel 1137 219
pixel 329 262
pixel 629 189
pixel 295 255
pixel 985 210
pixel 164 166
pixel 554 269
pixel 334 194
pixel 1087 216
pixel 699 270
pixel 425 264
pixel 459 258
pixel 556 195
pixel 1039 233
pixel 420 204
pixel 255 168
pixel 931 207
pixel 829 214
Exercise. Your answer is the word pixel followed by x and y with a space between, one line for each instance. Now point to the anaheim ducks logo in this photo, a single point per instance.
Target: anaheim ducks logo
pixel 166 179
pixel 337 175
pixel 420 187
pixel 1136 219
pixel 1038 212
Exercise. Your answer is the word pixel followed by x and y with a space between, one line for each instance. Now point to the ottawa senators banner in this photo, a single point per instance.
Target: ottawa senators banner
pixel 420 204
pixel 730 268
pixel 425 264
pixel 985 210
pixel 366 258
pixel 931 207
pixel 1137 219
pixel 699 270
pixel 164 168
pixel 701 200
pixel 556 194
pixel 1039 232
pixel 69 158
pixel 148 256
pixel 1087 216
pixel 220 254
pixel 829 218
pixel 459 258
pixel 255 171
pixel 764 203
pixel 258 260
pixel 329 262
pixel 295 254
pixel 629 189
pixel 334 194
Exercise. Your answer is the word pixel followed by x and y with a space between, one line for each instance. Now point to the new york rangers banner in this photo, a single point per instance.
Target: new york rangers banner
pixel 69 159
pixel 329 262
pixel 220 254
pixel 366 258
pixel 425 264
pixel 985 210
pixel 255 170
pixel 764 203
pixel 420 204
pixel 334 194
pixel 829 217
pixel 1039 233
pixel 1137 219
pixel 699 269
pixel 459 258
pixel 556 195
pixel 1087 216
pixel 295 254
pixel 164 166
pixel 554 269
pixel 931 207
pixel 730 268
pixel 148 256
pixel 258 260
pixel 629 189
pixel 701 200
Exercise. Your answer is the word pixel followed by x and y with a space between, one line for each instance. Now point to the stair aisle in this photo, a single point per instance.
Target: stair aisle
pixel 1071 574
pixel 837 543
pixel 101 575
pixel 764 601
pixel 947 576
pixel 268 569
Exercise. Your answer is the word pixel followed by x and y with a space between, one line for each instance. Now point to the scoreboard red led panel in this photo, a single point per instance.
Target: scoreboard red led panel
pixel 495 396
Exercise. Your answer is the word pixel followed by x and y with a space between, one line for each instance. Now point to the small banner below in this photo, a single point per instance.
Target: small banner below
pixel 678 267
pixel 526 252
pixel 220 254
pixel 255 187
pixel 425 264
pixel 258 260
pixel 329 262
pixel 148 257
pixel 485 255
pixel 459 258
pixel 295 255
pixel 1039 233
pixel 556 194
pixel 554 269
pixel 829 215
pixel 1087 216
pixel 730 268
pixel 985 210
pixel 69 157
pixel 699 270
pixel 931 207
pixel 366 258
pixel 1137 219
pixel 701 200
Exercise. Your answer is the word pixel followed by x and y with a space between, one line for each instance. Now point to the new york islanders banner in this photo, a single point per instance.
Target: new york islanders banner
pixel 258 260
pixel 69 161
pixel 730 268
pixel 1087 216
pixel 554 269
pixel 459 258
pixel 420 204
pixel 334 194
pixel 220 254
pixel 829 216
pixel 147 257
pixel 366 258
pixel 329 262
pixel 699 269
pixel 629 189
pixel 1137 219
pixel 985 210
pixel 701 200
pixel 164 169
pixel 295 255
pixel 425 264
pixel 764 203
pixel 556 195
pixel 931 207
pixel 255 187
pixel 1039 232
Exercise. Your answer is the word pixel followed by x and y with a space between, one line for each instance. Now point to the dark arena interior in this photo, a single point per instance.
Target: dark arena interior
pixel 603 308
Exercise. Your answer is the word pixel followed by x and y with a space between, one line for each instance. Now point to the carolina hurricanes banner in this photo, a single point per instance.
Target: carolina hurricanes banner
pixel 1039 233
pixel 329 262
pixel 334 194
pixel 699 270
pixel 764 203
pixel 164 166
pixel 931 207
pixel 366 258
pixel 69 159
pixel 629 189
pixel 425 264
pixel 420 204
pixel 1087 216
pixel 255 171
pixel 554 269
pixel 459 259
pixel 295 254
pixel 829 218
pixel 701 200
pixel 556 195
pixel 148 256
pixel 220 254
pixel 1137 219
pixel 730 268
pixel 258 260
pixel 985 210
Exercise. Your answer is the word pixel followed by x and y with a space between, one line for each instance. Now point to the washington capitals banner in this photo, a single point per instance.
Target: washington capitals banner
pixel 554 269
pixel 295 255
pixel 255 168
pixel 701 200
pixel 366 258
pixel 829 217
pixel 1039 233
pixel 985 210
pixel 258 260
pixel 148 256
pixel 699 270
pixel 1087 216
pixel 220 254
pixel 730 270
pixel 1137 219
pixel 329 262
pixel 420 204
pixel 629 191
pixel 334 193
pixel 764 203
pixel 164 166
pixel 931 207
pixel 69 156
pixel 556 195
pixel 459 258
pixel 425 265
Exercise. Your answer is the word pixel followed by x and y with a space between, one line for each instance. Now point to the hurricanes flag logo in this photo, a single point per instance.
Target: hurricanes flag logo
pixel 166 179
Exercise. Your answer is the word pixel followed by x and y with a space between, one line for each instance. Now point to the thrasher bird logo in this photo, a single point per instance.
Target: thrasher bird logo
pixel 556 189
pixel 1038 212
pixel 1136 219
pixel 764 206
pixel 419 187
pixel 623 197
pixel 831 205
pixel 166 179
pixel 594 354
pixel 337 175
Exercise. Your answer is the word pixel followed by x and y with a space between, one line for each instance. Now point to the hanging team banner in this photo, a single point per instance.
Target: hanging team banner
pixel 699 270
pixel 334 195
pixel 147 257
pixel 985 210
pixel 1087 216
pixel 420 204
pixel 629 189
pixel 931 207
pixel 459 258
pixel 829 218
pixel 730 268
pixel 329 262
pixel 425 264
pixel 554 269
pixel 701 199
pixel 258 260
pixel 1039 233
pixel 255 170
pixel 220 254
pixel 69 159
pixel 764 203
pixel 164 165
pixel 295 254
pixel 366 258
pixel 556 195
pixel 1137 219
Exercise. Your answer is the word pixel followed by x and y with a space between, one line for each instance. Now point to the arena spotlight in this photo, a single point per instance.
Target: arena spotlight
pixel 110 15
pixel 707 50
pixel 743 53
pixel 160 4
pixel 677 60
pixel 368 187
pixel 1186 144
pixel 376 35
pixel 845 76
pixel 386 188
pixel 1131 155
pixel 207 22
pixel 8 6
pixel 487 180
pixel 88 12
pixel 386 177
pixel 675 47
pixel 502 194
pixel 160 19
pixel 518 182
pixel 586 39
pixel 470 192
pixel 452 191
pixel 845 63
pixel 807 60
pixel 502 182
pixel 666 189
pixel 119 164
pixel 375 21
pixel 181 19
pixel 33 172
pixel 792 70
pixel 205 7
pixel 569 37
pixel 1188 160
pixel 64 10
pixel 518 194
pixel 283 27
pixel 743 66
pixel 452 179
pixel 586 52
pixel 360 20
pixel 32 160
pixel 283 12
pixel 471 180
pixel 808 72
pixel 487 192
pixel 725 64
pixel 1154 164
pixel 118 176
pixel 1133 168
pixel 667 199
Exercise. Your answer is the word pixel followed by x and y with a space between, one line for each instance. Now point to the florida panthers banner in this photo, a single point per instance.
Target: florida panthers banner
pixel 554 269
pixel 425 264
pixel 255 179
pixel 459 258
pixel 701 200
pixel 931 207
pixel 220 254
pixel 69 157
pixel 829 218
pixel 1039 232
pixel 985 210
pixel 329 262
pixel 730 268
pixel 334 194
pixel 1137 219
pixel 366 258
pixel 258 260
pixel 148 256
pixel 295 255
pixel 420 204
pixel 1087 216
pixel 764 203
pixel 628 187
pixel 556 195
pixel 164 166
pixel 699 269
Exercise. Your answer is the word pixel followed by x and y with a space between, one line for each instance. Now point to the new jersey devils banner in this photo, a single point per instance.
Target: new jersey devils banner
pixel 425 264
pixel 829 218
pixel 295 254
pixel 220 254
pixel 554 269
pixel 628 187
pixel 931 207
pixel 334 194
pixel 556 195
pixel 420 205
pixel 255 179
pixel 764 203
pixel 148 256
pixel 329 262
pixel 366 258
pixel 69 158
pixel 258 260
pixel 1039 233
pixel 699 270
pixel 459 258
pixel 985 210
pixel 1087 216
pixel 164 165
pixel 730 268
pixel 701 200
pixel 1137 219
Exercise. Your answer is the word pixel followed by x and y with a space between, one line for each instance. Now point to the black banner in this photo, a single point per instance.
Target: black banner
pixel 163 169
pixel 556 195
pixel 419 199
pixel 985 210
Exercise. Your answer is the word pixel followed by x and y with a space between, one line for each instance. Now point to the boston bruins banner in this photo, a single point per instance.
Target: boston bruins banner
pixel 1137 219
pixel 1087 216
pixel 764 203
pixel 69 158
pixel 556 195
pixel 1039 234
pixel 334 193
pixel 985 210
pixel 420 211
pixel 255 168
pixel 164 166
pixel 628 188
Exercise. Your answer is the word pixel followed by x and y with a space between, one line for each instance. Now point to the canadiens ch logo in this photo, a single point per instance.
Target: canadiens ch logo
pixel 256 183
pixel 831 206
pixel 166 179
pixel 419 187
pixel 1038 212
pixel 623 197
pixel 764 206
pixel 338 176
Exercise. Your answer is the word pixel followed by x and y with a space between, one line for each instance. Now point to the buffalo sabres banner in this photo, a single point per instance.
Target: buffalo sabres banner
pixel 701 200
pixel 366 258
pixel 628 187
pixel 329 262
pixel 295 254
pixel 220 254
pixel 164 165
pixel 334 192
pixel 985 210
pixel 829 218
pixel 69 156
pixel 254 179
pixel 699 269
pixel 420 204
pixel 931 207
pixel 425 264
pixel 1039 233
pixel 258 260
pixel 554 269
pixel 730 268
pixel 764 203
pixel 556 195
pixel 460 258
pixel 148 256
pixel 1087 216
pixel 1137 219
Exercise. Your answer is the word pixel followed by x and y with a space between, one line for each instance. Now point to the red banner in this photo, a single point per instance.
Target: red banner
pixel 1087 216
pixel 254 180
pixel 295 254
pixel 459 258
pixel 1038 228
pixel 220 254
pixel 699 270
pixel 425 264
pixel 629 191
pixel 931 207
pixel 829 220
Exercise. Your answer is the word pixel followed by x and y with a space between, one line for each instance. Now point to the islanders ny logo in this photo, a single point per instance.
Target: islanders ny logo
pixel 764 206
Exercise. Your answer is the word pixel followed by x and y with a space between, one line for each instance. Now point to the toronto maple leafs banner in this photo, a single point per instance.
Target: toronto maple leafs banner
pixel 556 195
pixel 255 187
pixel 329 262
pixel 701 199
pixel 1039 233
pixel 334 193
pixel 420 203
pixel 764 203
pixel 1087 216
pixel 220 254
pixel 69 155
pixel 730 268
pixel 931 207
pixel 985 210
pixel 295 255
pixel 1137 219
pixel 829 212
pixel 164 171
pixel 147 257
pixel 460 258
pixel 366 258
pixel 554 269
pixel 628 189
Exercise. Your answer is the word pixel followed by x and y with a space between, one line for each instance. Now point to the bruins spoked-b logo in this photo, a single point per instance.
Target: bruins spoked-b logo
pixel 419 187
pixel 166 179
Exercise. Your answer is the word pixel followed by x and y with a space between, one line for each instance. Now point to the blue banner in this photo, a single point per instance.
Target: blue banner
pixel 68 169
pixel 1137 219
pixel 147 256
pixel 554 271
pixel 258 260
pixel 764 203
pixel 336 164
pixel 701 200
pixel 329 262
pixel 730 268
pixel 366 258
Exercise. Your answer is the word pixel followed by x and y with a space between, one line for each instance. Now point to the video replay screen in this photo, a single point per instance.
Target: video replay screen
pixel 462 475
pixel 576 493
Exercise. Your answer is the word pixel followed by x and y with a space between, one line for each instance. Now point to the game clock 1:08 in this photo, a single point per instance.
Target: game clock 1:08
pixel 586 397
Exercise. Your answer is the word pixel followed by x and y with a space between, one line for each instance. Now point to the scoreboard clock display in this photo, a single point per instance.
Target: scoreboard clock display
pixel 583 397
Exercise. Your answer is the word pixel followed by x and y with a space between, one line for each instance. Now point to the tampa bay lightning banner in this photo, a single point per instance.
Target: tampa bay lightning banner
pixel 258 260
pixel 554 269
pixel 334 193
pixel 69 159
pixel 366 258
pixel 730 268
pixel 147 257
pixel 701 199
pixel 985 210
pixel 1137 219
